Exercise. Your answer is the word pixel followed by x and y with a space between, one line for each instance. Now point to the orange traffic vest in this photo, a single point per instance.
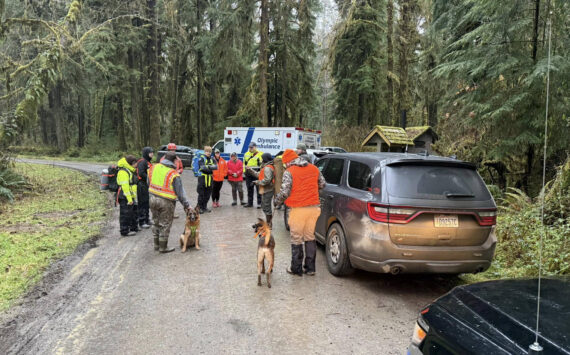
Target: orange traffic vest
pixel 305 188
pixel 262 173
pixel 161 178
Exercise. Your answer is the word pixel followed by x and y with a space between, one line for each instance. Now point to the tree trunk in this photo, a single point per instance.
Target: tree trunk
pixel 174 96
pixel 56 109
pixel 135 98
pixel 390 54
pixel 535 30
pixel 263 61
pixel 360 109
pixel 119 114
pixel 199 77
pixel 153 79
pixel 80 122
pixel 405 45
pixel 528 172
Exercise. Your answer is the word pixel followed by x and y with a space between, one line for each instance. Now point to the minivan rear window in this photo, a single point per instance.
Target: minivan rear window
pixel 436 182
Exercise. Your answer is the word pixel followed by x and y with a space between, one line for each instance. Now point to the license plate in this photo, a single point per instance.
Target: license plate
pixel 446 221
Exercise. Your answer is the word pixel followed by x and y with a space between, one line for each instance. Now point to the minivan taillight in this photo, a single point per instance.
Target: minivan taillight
pixel 487 218
pixel 389 214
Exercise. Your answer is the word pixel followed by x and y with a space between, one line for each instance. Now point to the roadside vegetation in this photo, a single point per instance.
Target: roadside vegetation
pixel 53 211
pixel 519 231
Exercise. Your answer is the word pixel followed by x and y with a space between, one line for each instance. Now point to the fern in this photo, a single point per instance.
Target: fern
pixel 516 200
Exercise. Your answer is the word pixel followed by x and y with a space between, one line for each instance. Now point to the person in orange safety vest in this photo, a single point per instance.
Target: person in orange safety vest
pixel 300 191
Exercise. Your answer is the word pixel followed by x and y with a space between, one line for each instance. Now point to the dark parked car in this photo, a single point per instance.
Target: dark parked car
pixel 393 212
pixel 186 154
pixel 495 317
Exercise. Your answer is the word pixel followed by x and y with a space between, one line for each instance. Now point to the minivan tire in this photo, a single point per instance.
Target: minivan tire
pixel 338 261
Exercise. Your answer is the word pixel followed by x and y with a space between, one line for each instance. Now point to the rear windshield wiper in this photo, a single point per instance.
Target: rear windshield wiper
pixel 456 194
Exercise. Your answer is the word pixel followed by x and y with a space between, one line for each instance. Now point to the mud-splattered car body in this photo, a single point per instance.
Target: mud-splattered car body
pixel 392 212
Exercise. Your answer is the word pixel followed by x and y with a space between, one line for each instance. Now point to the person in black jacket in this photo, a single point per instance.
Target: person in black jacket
pixel 142 187
pixel 207 165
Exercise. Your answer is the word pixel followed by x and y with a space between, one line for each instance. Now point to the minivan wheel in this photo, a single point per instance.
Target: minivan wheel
pixel 338 261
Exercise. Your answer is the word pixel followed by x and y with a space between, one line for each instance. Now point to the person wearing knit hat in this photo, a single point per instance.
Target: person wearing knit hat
pixel 300 192
pixel 127 195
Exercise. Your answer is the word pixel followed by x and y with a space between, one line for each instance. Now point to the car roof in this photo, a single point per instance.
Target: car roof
pixel 394 157
pixel 510 306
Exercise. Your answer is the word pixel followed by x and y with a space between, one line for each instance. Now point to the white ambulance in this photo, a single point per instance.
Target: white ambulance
pixel 268 139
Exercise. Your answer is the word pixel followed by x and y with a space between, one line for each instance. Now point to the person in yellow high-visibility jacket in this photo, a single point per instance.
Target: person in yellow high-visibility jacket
pixel 165 187
pixel 252 159
pixel 127 195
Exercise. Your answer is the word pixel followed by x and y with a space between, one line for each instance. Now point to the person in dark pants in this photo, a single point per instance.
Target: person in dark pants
pixel 207 165
pixel 219 176
pixel 143 206
pixel 127 195
pixel 251 160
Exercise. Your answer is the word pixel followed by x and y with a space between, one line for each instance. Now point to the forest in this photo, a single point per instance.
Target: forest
pixel 83 77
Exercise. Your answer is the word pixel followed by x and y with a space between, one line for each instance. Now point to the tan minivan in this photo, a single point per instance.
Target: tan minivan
pixel 394 213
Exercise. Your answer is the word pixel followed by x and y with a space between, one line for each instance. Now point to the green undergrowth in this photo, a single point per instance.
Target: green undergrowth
pixel 60 210
pixel 520 228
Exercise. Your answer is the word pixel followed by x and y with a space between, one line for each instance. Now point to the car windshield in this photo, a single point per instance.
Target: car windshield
pixel 436 182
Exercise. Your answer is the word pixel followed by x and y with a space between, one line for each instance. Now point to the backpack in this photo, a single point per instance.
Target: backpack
pixel 109 178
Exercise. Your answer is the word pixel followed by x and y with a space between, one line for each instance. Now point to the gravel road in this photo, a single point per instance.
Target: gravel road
pixel 116 295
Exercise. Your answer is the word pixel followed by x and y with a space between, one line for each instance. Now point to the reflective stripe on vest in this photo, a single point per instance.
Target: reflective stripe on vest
pixel 262 173
pixel 207 177
pixel 305 187
pixel 161 178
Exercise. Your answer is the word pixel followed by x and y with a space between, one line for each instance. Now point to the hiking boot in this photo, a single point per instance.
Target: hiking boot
pixel 247 205
pixel 145 226
pixel 289 271
pixel 163 246
pixel 258 207
pixel 156 244
pixel 131 233
pixel 234 203
pixel 243 203
pixel 296 260
pixel 176 216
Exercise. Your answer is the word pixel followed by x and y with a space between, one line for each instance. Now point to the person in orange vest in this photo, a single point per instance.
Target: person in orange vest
pixel 165 187
pixel 265 183
pixel 178 162
pixel 300 191
pixel 219 176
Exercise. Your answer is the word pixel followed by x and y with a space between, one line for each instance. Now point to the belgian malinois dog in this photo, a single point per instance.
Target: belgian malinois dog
pixel 191 235
pixel 265 250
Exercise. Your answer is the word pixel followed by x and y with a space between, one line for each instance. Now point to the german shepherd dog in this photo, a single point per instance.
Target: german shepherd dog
pixel 191 235
pixel 265 250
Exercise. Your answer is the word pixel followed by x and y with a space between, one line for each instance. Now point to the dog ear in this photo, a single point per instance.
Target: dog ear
pixel 260 221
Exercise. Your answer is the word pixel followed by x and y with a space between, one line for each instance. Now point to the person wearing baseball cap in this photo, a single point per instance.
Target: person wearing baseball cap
pixel 300 192
pixel 252 161
pixel 302 152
